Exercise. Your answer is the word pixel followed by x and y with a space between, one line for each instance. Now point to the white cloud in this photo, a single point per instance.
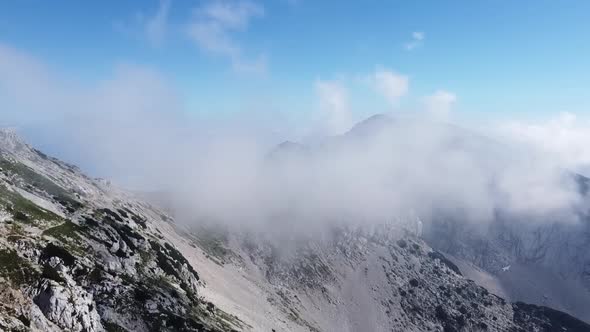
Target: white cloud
pixel 417 40
pixel 439 104
pixel 390 84
pixel 107 126
pixel 132 125
pixel 231 15
pixel 417 35
pixel 213 38
pixel 566 138
pixel 213 27
pixel 150 27
pixel 336 116
pixel 157 25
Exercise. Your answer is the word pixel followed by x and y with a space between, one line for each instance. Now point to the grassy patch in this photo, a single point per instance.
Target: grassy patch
pixel 229 319
pixel 68 234
pixel 64 232
pixel 41 182
pixel 213 244
pixel 292 313
pixel 15 233
pixel 22 209
pixel 213 316
pixel 16 269
pixel 112 327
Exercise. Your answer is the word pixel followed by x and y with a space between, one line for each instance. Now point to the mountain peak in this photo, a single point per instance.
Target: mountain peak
pixel 372 124
pixel 10 140
pixel 288 148
pixel 8 133
pixel 289 145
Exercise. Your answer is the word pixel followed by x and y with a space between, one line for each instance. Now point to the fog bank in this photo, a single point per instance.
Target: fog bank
pixel 133 127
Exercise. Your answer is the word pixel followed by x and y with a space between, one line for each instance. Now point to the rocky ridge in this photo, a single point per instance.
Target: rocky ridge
pixel 80 255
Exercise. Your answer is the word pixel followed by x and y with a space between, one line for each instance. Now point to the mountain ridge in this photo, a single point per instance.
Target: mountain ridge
pixel 78 254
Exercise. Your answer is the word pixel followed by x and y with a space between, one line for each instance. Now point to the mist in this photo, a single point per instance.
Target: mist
pixel 133 126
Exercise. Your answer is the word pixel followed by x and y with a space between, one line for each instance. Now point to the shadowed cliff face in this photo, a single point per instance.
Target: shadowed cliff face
pixel 541 262
pixel 537 259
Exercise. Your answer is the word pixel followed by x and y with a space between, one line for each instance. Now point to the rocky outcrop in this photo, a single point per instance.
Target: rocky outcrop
pixel 70 307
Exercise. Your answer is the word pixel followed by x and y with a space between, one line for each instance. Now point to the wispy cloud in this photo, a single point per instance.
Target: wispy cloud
pixel 157 25
pixel 151 27
pixel 390 85
pixel 213 27
pixel 417 40
pixel 134 100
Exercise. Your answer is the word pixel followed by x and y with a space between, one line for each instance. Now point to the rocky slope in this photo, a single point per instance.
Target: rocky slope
pixel 79 254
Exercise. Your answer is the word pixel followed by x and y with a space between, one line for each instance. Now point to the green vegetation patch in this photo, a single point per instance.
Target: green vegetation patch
pixel 229 320
pixel 16 269
pixel 213 242
pixel 212 316
pixel 69 234
pixel 64 232
pixel 22 209
pixel 15 233
pixel 39 181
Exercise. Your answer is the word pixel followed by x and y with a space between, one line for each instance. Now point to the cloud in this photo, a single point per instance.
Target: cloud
pixel 213 27
pixel 105 126
pixel 439 104
pixel 157 25
pixel 418 35
pixel 151 27
pixel 390 85
pixel 417 40
pixel 231 15
pixel 336 116
pixel 565 138
pixel 132 125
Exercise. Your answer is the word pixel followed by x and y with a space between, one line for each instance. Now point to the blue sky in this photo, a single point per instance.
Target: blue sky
pixel 524 58
pixel 91 82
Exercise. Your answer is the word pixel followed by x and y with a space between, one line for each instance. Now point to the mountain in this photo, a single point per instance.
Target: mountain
pixel 547 256
pixel 81 254
pixel 288 149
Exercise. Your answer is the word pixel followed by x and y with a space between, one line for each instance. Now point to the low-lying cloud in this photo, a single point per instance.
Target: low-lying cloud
pixel 391 85
pixel 133 126
pixel 335 116
pixel 564 138
pixel 439 104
